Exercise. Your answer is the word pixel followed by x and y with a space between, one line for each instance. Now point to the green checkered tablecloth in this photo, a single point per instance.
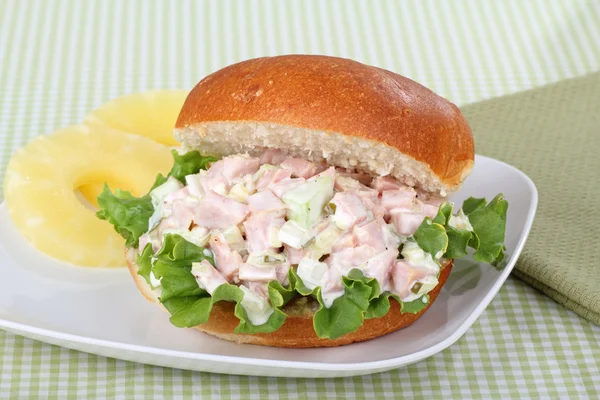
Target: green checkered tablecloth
pixel 59 59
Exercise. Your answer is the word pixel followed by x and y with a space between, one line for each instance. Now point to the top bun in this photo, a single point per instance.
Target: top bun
pixel 335 110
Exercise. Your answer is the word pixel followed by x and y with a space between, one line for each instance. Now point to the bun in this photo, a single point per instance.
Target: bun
pixel 337 110
pixel 297 331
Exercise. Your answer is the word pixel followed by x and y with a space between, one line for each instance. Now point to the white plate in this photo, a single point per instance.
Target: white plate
pixel 100 311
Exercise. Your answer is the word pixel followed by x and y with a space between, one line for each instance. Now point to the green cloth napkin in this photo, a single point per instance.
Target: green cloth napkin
pixel 553 135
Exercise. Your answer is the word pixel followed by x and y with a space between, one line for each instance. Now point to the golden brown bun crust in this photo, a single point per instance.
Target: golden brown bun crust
pixel 297 330
pixel 338 95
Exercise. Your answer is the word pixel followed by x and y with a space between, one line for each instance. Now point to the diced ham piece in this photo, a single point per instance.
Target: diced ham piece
pixel 285 185
pixel 370 234
pixel 264 201
pixel 349 210
pixel 427 199
pixel 281 272
pixel 176 195
pixel 273 157
pixel 372 202
pixel 257 273
pixel 209 279
pixel 271 177
pixel 380 266
pixel 218 212
pixel 223 174
pixel 406 223
pixel 237 166
pixel 299 168
pixel 262 230
pixel 429 210
pixel 214 180
pixel 293 255
pixel 404 275
pixel 368 196
pixel 350 257
pixel 403 199
pixel 341 262
pixel 330 172
pixel 383 183
pixel 228 261
pixel 343 242
pixel 181 214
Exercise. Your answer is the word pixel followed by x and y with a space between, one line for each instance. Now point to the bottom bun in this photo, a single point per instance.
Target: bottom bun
pixel 297 330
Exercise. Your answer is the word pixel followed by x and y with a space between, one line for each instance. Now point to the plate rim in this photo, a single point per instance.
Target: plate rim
pixel 308 365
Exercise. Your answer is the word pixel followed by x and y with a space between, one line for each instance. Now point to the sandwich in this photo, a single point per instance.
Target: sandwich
pixel 308 205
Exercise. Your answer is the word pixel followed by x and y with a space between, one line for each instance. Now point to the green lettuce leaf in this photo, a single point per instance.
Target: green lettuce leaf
pixel 189 311
pixel 416 305
pixel 279 294
pixel 444 213
pixel 379 306
pixel 189 163
pixel 128 214
pixel 173 267
pixel 487 238
pixel 431 237
pixel 489 224
pixel 144 263
pixel 458 240
pixel 471 204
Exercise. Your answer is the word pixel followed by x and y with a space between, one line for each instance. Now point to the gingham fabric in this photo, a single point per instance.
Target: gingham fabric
pixel 60 59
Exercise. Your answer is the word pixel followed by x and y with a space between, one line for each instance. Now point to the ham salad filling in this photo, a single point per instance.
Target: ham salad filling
pixel 260 216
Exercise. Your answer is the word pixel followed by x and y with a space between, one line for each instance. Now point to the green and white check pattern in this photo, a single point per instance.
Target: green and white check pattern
pixel 59 59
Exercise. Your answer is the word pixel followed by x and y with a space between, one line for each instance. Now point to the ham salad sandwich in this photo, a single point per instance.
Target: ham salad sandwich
pixel 308 205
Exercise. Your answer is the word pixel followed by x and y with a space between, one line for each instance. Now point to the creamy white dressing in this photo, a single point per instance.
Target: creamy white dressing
pixel 159 193
pixel 460 221
pixel 257 308
pixel 155 282
pixel 414 255
pixel 329 297
pixel 314 274
pixel 427 285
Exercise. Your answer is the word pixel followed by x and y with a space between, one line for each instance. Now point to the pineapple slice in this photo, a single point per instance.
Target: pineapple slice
pixel 151 114
pixel 41 180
